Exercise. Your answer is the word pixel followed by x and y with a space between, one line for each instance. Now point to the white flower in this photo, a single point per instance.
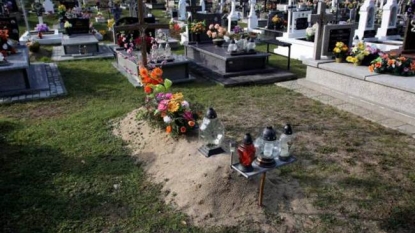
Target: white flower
pixel 185 104
pixel 167 119
pixel 1 57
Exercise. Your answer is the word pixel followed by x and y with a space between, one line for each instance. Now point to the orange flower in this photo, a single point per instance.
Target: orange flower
pixel 157 72
pixel 413 65
pixel 402 58
pixel 378 65
pixel 191 123
pixel 143 72
pixel 182 129
pixel 173 106
pixel 147 89
pixel 371 68
pixel 168 129
pixel 391 62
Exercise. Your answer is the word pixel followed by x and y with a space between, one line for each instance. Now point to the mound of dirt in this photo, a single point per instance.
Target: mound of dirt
pixel 207 189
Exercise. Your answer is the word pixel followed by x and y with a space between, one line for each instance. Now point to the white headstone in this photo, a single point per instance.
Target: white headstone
pixel 222 3
pixel 366 29
pixel 389 19
pixel 297 22
pixel 203 5
pixel 182 9
pixel 252 18
pixel 233 16
pixel 48 5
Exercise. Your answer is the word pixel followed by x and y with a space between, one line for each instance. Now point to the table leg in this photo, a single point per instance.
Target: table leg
pixel 289 57
pixel 267 52
pixel 261 188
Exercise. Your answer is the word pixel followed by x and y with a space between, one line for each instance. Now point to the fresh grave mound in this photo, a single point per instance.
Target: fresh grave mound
pixel 207 189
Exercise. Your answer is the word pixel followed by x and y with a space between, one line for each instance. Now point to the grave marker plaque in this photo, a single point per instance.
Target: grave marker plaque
pixel 336 33
pixel 301 23
pixel 408 43
pixel 10 24
pixel 79 26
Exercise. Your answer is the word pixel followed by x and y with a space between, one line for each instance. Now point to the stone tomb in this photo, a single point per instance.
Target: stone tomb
pixel 220 61
pixel 17 76
pixel 177 70
pixel 81 45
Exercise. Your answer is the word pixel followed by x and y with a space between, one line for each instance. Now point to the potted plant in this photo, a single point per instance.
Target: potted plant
pixel 358 54
pixel 310 32
pixel 40 28
pixel 340 51
pixel 397 65
pixel 197 27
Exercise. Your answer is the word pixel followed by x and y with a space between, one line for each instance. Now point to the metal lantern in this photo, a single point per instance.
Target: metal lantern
pixel 267 148
pixel 286 139
pixel 212 133
pixel 246 153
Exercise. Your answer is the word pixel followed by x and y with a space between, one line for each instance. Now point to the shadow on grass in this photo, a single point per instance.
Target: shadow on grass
pixel 42 190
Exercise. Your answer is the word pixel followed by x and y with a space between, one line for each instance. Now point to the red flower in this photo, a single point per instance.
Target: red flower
pixel 183 129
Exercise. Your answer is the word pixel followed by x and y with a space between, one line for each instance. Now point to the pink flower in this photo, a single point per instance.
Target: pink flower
pixel 188 116
pixel 163 105
pixel 214 34
pixel 209 33
pixel 211 27
pixel 168 95
pixel 217 26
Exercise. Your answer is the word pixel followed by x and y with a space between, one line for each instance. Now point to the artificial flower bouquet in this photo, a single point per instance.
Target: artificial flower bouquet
pixel 362 54
pixel 61 10
pixel 278 22
pixel 397 65
pixel 67 24
pixel 198 27
pixel 340 50
pixel 165 109
pixel 310 32
pixel 216 31
pixel 42 27
pixel 6 45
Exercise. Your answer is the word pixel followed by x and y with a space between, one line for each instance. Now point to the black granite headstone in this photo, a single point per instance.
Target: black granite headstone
pixel 338 35
pixel 11 25
pixel 408 43
pixel 209 19
pixel 69 4
pixel 132 20
pixel 11 5
pixel 79 26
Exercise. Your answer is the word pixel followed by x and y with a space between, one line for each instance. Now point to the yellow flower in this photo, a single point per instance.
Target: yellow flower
pixel 339 44
pixel 336 50
pixel 178 97
pixel 172 106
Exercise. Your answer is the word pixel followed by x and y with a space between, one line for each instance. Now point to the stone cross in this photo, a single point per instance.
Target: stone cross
pixel 141 26
pixel 232 16
pixel 182 9
pixel 252 18
pixel 203 5
pixel 39 10
pixel 321 18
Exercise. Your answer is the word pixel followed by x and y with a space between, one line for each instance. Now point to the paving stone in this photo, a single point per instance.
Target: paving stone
pixel 391 123
pixel 375 117
pixel 353 109
pixel 308 92
pixel 292 85
pixel 325 99
pixel 407 128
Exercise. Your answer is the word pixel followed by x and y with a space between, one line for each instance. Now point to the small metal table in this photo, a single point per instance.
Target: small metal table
pixel 282 44
pixel 261 170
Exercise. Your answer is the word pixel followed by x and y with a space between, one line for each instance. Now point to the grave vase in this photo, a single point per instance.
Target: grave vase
pixel 339 59
pixel 218 42
pixel 40 35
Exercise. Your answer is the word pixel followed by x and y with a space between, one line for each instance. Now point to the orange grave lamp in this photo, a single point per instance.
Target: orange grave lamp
pixel 246 152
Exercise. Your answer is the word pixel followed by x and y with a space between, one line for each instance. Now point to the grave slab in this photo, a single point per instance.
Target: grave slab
pixel 58 54
pixel 74 44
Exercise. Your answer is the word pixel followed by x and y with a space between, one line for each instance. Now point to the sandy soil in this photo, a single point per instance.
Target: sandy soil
pixel 207 189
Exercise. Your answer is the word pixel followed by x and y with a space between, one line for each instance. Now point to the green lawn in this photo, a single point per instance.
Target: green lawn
pixel 62 169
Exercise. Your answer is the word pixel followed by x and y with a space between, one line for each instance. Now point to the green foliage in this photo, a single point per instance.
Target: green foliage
pixel 34 47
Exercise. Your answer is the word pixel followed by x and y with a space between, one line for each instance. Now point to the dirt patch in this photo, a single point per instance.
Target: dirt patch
pixel 207 189
pixel 42 54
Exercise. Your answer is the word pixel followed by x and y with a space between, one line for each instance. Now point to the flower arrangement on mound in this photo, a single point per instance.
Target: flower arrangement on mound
pixel 166 109
pixel 42 27
pixel 397 65
pixel 310 32
pixel 362 54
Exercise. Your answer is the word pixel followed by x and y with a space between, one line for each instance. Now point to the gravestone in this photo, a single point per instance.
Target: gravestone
pixel 125 21
pixel 182 10
pixel 336 33
pixel 232 17
pixel 12 5
pixel 271 14
pixel 209 19
pixel 366 29
pixel 193 9
pixel 48 6
pixel 321 20
pixel 69 4
pixel 408 48
pixel 252 17
pixel 11 25
pixel 79 26
pixel 297 22
pixel 388 29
